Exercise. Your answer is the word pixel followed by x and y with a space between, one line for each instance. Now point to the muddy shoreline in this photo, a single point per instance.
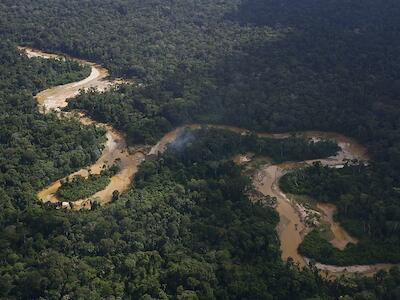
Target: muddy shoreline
pixel 291 228
pixel 115 148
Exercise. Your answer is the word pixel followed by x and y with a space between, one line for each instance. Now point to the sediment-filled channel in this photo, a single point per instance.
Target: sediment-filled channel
pixel 291 228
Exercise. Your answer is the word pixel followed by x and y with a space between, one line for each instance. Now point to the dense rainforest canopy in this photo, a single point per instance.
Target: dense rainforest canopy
pixel 36 149
pixel 186 229
pixel 359 197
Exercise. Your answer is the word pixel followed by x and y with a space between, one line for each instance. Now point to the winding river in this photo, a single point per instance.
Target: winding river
pixel 292 226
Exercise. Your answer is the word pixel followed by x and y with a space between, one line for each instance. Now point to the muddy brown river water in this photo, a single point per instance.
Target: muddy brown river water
pixel 291 228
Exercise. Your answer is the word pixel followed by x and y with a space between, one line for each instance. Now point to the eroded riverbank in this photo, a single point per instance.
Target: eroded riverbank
pixel 291 228
pixel 115 148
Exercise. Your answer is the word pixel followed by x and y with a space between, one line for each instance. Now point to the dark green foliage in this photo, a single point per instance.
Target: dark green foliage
pixel 19 75
pixel 364 253
pixel 182 240
pixel 36 149
pixel 264 65
pixel 216 144
pixel 186 228
pixel 128 110
pixel 367 207
pixel 79 187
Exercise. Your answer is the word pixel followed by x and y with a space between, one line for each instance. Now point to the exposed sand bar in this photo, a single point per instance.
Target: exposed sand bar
pixel 291 228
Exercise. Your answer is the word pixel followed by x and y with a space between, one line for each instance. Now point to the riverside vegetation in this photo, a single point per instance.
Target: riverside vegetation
pixel 263 65
pixel 79 187
pixel 369 222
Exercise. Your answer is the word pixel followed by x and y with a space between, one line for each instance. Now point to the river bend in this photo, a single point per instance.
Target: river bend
pixel 291 228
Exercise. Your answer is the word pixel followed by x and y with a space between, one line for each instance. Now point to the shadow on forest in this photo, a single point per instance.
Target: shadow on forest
pixel 317 77
pixel 308 14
